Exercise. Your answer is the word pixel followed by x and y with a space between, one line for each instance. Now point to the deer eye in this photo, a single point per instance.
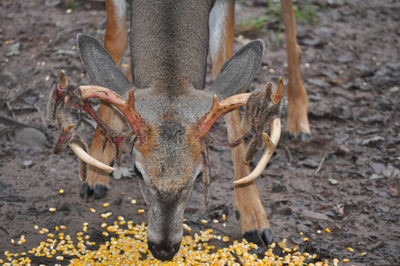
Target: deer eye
pixel 138 173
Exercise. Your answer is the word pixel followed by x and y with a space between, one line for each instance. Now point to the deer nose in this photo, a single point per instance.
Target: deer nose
pixel 163 251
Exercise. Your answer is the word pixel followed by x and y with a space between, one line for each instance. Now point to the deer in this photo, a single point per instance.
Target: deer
pixel 169 112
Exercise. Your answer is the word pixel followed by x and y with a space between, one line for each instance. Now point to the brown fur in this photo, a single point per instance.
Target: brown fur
pixel 297 120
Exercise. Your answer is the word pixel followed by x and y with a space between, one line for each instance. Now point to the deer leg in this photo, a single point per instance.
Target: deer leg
pixel 255 226
pixel 115 42
pixel 297 121
pixel 116 38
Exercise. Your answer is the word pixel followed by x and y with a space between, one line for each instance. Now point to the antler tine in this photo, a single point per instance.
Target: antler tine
pixel 278 95
pixel 270 145
pixel 83 155
pixel 126 107
pixel 63 79
pixel 219 108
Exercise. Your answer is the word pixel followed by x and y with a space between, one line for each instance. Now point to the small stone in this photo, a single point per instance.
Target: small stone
pixel 333 181
pixel 373 141
pixel 27 163
pixel 310 163
pixel 278 187
pixel 375 177
pixel 342 150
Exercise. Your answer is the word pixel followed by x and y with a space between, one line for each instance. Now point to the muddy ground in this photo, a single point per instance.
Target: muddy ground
pixel 346 177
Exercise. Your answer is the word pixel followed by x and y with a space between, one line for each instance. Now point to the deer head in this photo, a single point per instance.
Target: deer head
pixel 170 121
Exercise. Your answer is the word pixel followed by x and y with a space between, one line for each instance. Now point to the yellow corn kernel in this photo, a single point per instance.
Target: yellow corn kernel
pixel 328 230
pixel 223 217
pixel 140 211
pixel 52 209
pixel 63 227
pixel 133 201
pixel 61 191
pixel 106 204
pixel 363 253
pixel 204 221
pixel 305 239
pixel 92 210
pixel 350 249
pixel 346 260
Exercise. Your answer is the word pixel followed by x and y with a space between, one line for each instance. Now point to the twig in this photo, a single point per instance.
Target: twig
pixel 10 109
pixel 16 97
pixel 11 121
pixel 41 117
pixel 23 110
pixel 5 231
pixel 321 163
pixel 288 153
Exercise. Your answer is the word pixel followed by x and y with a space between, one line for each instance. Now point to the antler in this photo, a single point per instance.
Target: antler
pixel 218 109
pixel 126 107
pixel 66 95
pixel 270 142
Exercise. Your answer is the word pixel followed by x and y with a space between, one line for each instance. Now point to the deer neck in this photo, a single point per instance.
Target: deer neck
pixel 169 44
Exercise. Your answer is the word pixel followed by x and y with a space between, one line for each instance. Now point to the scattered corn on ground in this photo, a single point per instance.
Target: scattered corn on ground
pixel 127 245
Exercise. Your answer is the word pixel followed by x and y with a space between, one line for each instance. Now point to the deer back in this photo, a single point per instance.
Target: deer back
pixel 169 43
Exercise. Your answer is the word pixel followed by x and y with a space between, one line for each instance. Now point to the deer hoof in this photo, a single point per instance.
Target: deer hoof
pixel 303 136
pixel 100 191
pixel 260 238
pixel 86 191
pixel 254 236
pixel 267 236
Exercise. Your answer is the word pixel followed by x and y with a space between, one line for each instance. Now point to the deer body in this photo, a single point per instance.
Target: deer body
pixel 168 109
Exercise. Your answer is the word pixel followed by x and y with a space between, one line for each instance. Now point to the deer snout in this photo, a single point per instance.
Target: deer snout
pixel 164 231
pixel 164 250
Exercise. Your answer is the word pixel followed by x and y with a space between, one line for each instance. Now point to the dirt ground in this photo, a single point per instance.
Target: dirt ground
pixel 345 178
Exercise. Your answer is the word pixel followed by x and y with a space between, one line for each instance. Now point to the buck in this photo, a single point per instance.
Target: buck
pixel 169 112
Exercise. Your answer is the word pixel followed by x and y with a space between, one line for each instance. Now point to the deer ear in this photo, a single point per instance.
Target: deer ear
pixel 237 73
pixel 100 66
